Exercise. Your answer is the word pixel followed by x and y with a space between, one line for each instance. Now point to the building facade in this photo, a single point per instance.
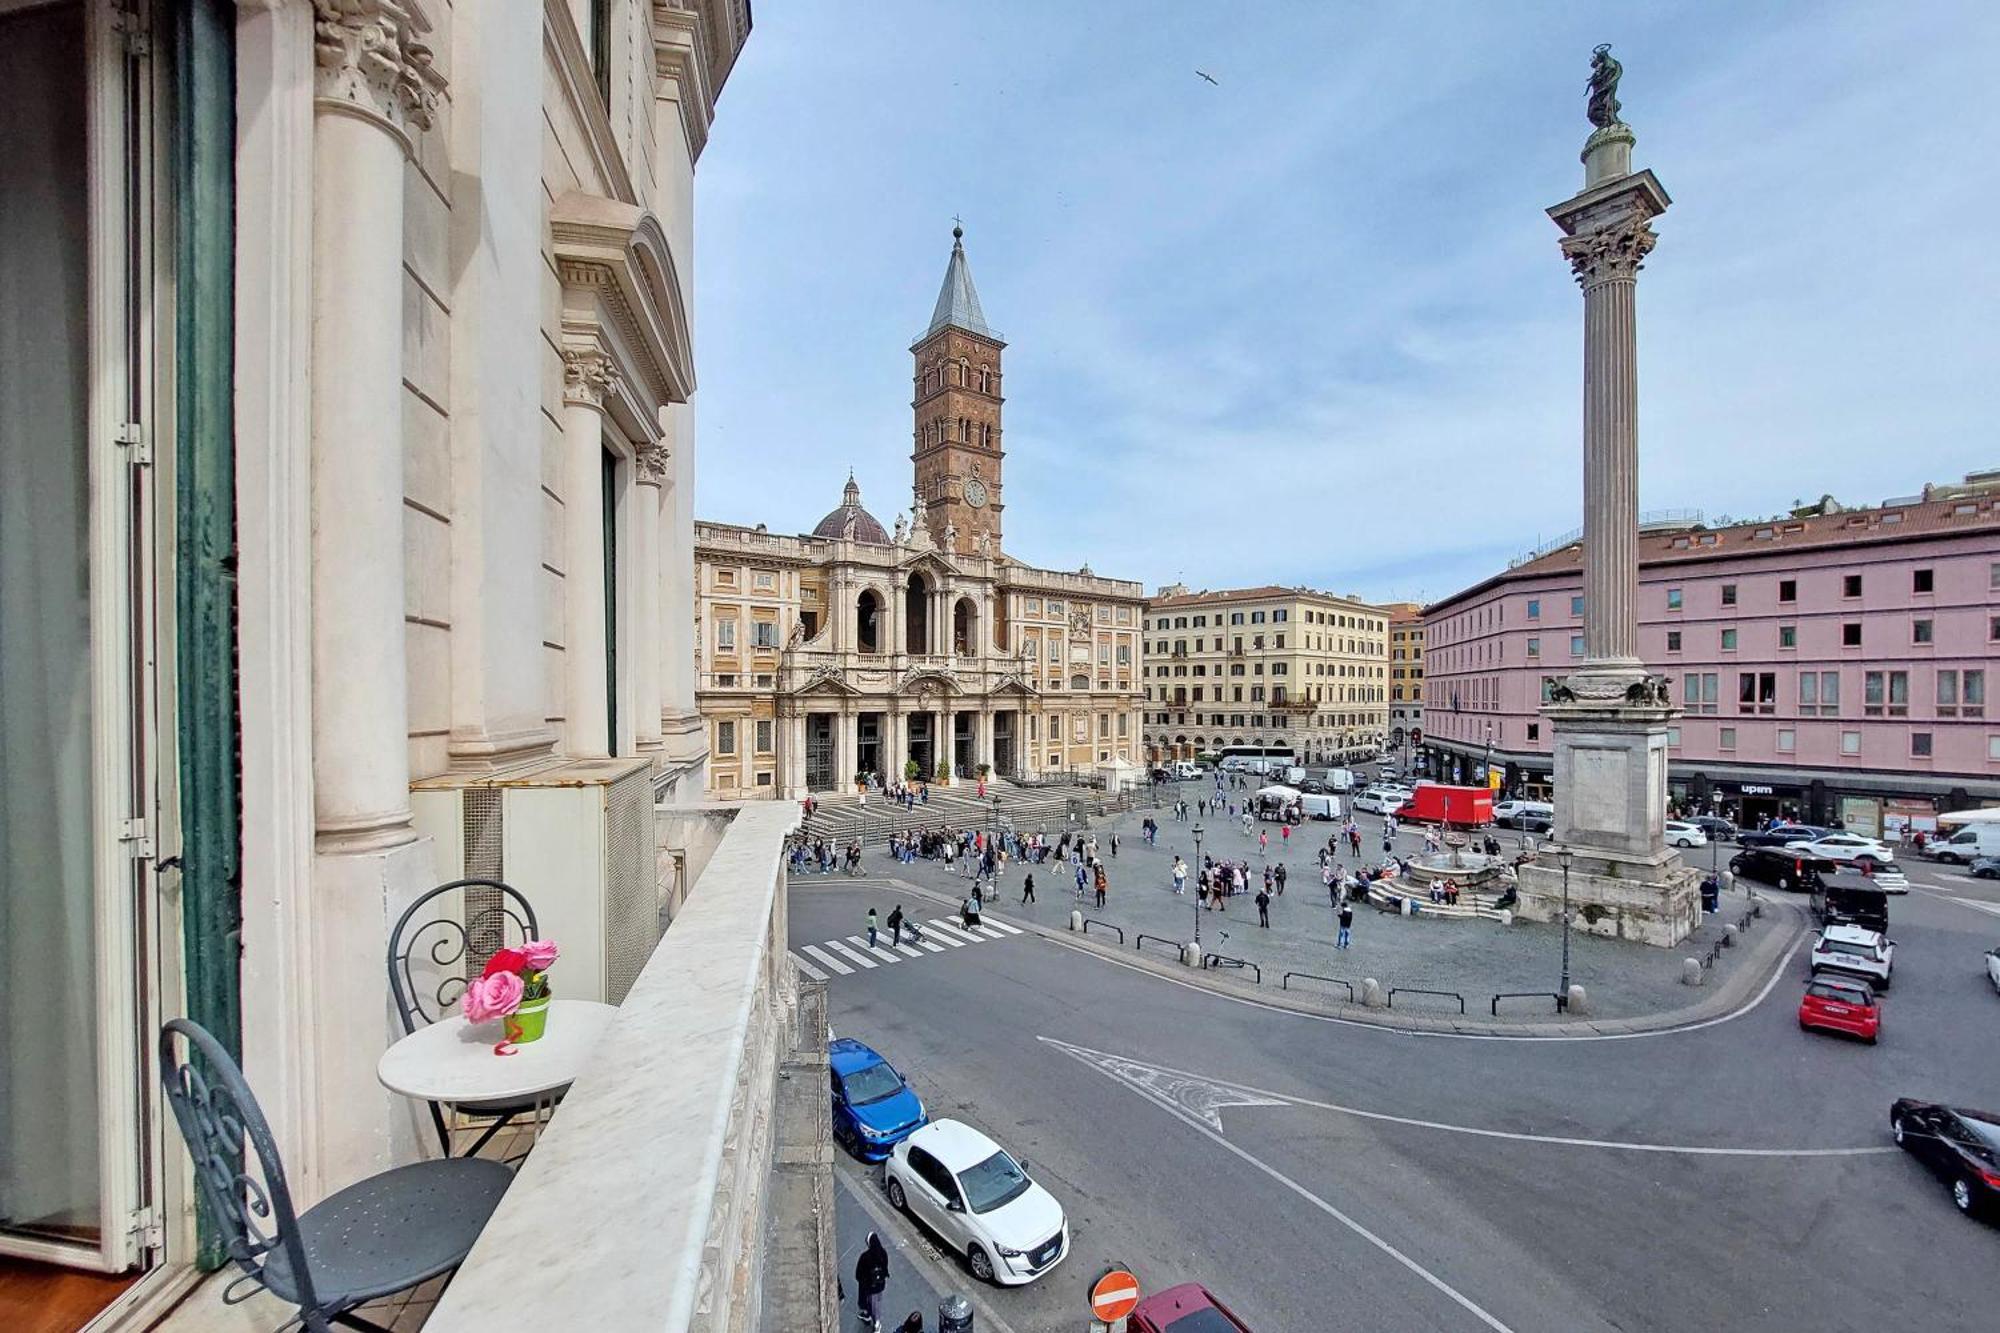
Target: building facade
pixel 1265 666
pixel 1406 675
pixel 1832 664
pixel 346 412
pixel 856 652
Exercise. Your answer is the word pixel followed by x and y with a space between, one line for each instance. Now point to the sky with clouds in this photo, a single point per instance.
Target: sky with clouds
pixel 1309 324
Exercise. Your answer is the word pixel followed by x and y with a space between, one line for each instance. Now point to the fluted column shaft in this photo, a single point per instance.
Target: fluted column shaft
pixel 1610 473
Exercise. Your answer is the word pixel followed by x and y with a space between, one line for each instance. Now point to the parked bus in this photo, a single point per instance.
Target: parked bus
pixel 1255 758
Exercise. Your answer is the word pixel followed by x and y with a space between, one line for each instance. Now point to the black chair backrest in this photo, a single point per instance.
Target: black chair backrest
pixel 453 948
pixel 218 1115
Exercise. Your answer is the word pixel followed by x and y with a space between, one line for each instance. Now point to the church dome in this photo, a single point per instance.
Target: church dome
pixel 866 528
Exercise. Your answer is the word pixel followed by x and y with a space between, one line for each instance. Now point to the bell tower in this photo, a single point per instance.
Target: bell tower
pixel 956 399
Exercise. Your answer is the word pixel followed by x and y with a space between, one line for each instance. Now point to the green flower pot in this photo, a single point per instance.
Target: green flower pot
pixel 529 1021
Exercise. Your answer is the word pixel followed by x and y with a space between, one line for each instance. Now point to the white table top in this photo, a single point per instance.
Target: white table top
pixel 453 1060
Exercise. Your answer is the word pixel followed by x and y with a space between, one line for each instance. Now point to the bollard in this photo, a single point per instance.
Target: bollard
pixel 1756 906
pixel 1729 935
pixel 1690 971
pixel 1506 917
pixel 1409 907
pixel 1076 920
pixel 1579 1003
pixel 1371 993
pixel 1191 954
pixel 1728 881
pixel 954 1314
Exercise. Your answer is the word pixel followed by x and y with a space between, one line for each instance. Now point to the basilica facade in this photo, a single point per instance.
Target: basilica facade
pixel 857 651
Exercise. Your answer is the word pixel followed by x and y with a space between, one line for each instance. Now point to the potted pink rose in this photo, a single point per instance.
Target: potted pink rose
pixel 514 987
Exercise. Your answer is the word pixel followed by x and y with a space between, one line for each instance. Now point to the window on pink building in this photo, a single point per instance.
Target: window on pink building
pixel 1788 740
pixel 1920 744
pixel 1729 594
pixel 1850 742
pixel 1673 640
pixel 1788 590
pixel 1788 636
pixel 1921 631
pixel 1726 739
pixel 1850 585
pixel 1850 634
pixel 1920 580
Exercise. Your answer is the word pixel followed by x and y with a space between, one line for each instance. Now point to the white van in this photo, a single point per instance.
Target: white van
pixel 1340 779
pixel 1320 806
pixel 1186 770
pixel 1294 776
pixel 1974 840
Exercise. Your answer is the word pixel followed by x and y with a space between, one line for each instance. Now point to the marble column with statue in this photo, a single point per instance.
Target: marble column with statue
pixel 1609 717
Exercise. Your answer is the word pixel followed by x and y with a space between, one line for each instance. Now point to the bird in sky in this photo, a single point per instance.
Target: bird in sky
pixel 1206 75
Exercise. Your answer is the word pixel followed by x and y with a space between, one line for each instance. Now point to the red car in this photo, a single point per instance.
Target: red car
pixel 1840 1004
pixel 1188 1308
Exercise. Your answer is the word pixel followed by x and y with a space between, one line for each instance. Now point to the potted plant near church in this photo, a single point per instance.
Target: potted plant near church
pixel 943 775
pixel 514 987
pixel 861 782
pixel 910 770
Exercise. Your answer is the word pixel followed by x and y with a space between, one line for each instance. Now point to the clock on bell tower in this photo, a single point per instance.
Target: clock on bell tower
pixel 957 405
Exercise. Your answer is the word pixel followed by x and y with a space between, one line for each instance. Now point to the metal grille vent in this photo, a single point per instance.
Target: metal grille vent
pixel 481 826
pixel 631 896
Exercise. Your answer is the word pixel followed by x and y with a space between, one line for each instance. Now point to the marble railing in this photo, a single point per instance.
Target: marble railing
pixel 643 1205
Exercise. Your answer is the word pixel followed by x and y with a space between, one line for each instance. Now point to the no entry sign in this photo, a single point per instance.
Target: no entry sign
pixel 1114 1295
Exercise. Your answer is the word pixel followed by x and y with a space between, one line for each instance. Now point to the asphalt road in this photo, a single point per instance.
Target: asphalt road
pixel 1323 1175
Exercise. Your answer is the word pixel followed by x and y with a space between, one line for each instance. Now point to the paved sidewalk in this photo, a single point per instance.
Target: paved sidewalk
pixel 1475 958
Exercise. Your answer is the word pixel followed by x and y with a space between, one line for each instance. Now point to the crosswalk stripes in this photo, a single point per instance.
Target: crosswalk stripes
pixel 829 960
pixel 844 957
pixel 851 956
pixel 873 950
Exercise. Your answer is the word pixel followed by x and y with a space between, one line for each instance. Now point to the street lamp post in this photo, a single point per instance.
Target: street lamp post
pixel 1197 887
pixel 1486 769
pixel 1563 858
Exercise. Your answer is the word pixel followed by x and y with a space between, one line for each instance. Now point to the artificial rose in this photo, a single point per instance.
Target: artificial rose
pixel 493 997
pixel 541 954
pixel 507 960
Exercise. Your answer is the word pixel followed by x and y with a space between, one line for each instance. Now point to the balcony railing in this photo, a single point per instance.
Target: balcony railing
pixel 645 1201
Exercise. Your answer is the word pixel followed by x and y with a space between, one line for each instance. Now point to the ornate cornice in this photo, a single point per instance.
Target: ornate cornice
pixel 368 62
pixel 1614 251
pixel 589 376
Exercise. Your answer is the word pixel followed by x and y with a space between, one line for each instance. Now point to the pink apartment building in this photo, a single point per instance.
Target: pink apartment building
pixel 1831 666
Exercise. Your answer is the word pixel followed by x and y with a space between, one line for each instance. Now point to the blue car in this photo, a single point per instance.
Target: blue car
pixel 873 1109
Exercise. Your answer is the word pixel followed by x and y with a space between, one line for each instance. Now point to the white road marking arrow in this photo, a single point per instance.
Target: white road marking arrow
pixel 1201 1098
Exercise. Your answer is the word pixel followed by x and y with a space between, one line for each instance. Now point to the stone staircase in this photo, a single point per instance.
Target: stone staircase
pixel 842 817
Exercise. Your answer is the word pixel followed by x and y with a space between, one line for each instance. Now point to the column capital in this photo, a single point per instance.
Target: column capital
pixel 368 62
pixel 650 465
pixel 589 376
pixel 1613 250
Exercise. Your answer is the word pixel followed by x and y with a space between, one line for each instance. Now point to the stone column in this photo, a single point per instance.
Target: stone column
pixel 374 88
pixel 896 735
pixel 1607 237
pixel 648 595
pixel 589 377
pixel 847 747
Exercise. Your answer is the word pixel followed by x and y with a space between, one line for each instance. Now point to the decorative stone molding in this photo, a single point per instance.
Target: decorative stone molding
pixel 367 61
pixel 617 269
pixel 650 464
pixel 1612 252
pixel 589 376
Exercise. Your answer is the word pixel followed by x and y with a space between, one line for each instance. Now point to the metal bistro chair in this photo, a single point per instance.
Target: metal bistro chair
pixel 452 944
pixel 378 1236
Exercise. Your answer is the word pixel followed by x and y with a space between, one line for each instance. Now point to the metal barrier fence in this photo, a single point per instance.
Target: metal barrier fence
pixel 1220 961
pixel 1394 991
pixel 1140 943
pixel 1090 921
pixel 1285 982
pixel 1562 1001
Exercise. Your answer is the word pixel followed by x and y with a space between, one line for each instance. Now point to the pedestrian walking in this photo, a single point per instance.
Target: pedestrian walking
pixel 1346 924
pixel 1180 876
pixel 1114 845
pixel 871 1275
pixel 1264 908
pixel 1102 884
pixel 871 927
pixel 896 924
pixel 1028 887
pixel 1281 879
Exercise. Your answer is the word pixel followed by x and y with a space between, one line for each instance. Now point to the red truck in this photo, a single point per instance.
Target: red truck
pixel 1453 807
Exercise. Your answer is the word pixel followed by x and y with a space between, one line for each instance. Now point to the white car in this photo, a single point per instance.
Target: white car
pixel 1847 849
pixel 1685 835
pixel 1889 878
pixel 1381 800
pixel 1856 952
pixel 967 1189
pixel 1993 967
